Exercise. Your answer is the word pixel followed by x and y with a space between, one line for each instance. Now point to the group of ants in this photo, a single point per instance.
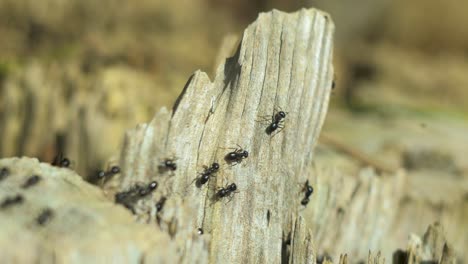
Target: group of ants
pixel 129 197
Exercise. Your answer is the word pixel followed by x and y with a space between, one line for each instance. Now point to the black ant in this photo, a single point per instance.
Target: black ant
pixel 225 191
pixel 4 172
pixel 308 190
pixel 61 161
pixel 130 197
pixel 31 181
pixel 200 231
pixel 45 216
pixel 236 156
pixel 160 203
pixel 115 169
pixel 276 122
pixel 104 174
pixel 167 165
pixel 206 174
pixel 148 189
pixel 9 201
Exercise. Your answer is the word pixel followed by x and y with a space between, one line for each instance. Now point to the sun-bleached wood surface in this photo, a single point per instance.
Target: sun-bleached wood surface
pixel 283 63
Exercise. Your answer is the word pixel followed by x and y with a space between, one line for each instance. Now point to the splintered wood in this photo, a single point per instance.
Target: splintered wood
pixel 282 66
pixel 227 176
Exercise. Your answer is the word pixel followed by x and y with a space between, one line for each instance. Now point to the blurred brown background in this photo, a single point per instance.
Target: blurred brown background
pixel 74 75
pixel 75 71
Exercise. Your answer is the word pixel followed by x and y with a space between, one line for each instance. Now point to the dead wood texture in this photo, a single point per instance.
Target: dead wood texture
pixel 282 63
pixel 60 218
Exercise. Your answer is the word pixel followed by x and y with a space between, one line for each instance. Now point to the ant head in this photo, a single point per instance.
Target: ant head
pixel 153 185
pixel 115 169
pixel 215 166
pixel 101 174
pixel 282 114
pixel 65 162
pixel 159 206
pixel 232 187
pixel 245 153
pixel 305 201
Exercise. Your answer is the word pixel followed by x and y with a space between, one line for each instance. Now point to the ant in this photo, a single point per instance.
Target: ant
pixel 130 197
pixel 167 165
pixel 31 181
pixel 9 201
pixel 61 161
pixel 236 156
pixel 206 174
pixel 103 174
pixel 308 189
pixel 277 122
pixel 45 216
pixel 148 189
pixel 115 169
pixel 160 203
pixel 4 172
pixel 225 191
pixel 333 82
pixel 200 231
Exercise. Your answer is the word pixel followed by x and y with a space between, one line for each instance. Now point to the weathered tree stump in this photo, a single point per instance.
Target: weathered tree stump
pixel 282 64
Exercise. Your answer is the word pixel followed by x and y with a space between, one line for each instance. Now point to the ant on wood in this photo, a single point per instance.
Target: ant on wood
pixel 225 192
pixel 206 174
pixel 4 173
pixel 130 197
pixel 45 216
pixel 160 203
pixel 167 165
pixel 308 190
pixel 276 122
pixel 31 181
pixel 61 161
pixel 235 157
pixel 101 175
pixel 10 201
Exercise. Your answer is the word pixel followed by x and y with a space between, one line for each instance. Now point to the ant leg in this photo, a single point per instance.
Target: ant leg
pixel 234 163
pixel 227 148
pixel 197 178
pixel 230 199
pixel 266 119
